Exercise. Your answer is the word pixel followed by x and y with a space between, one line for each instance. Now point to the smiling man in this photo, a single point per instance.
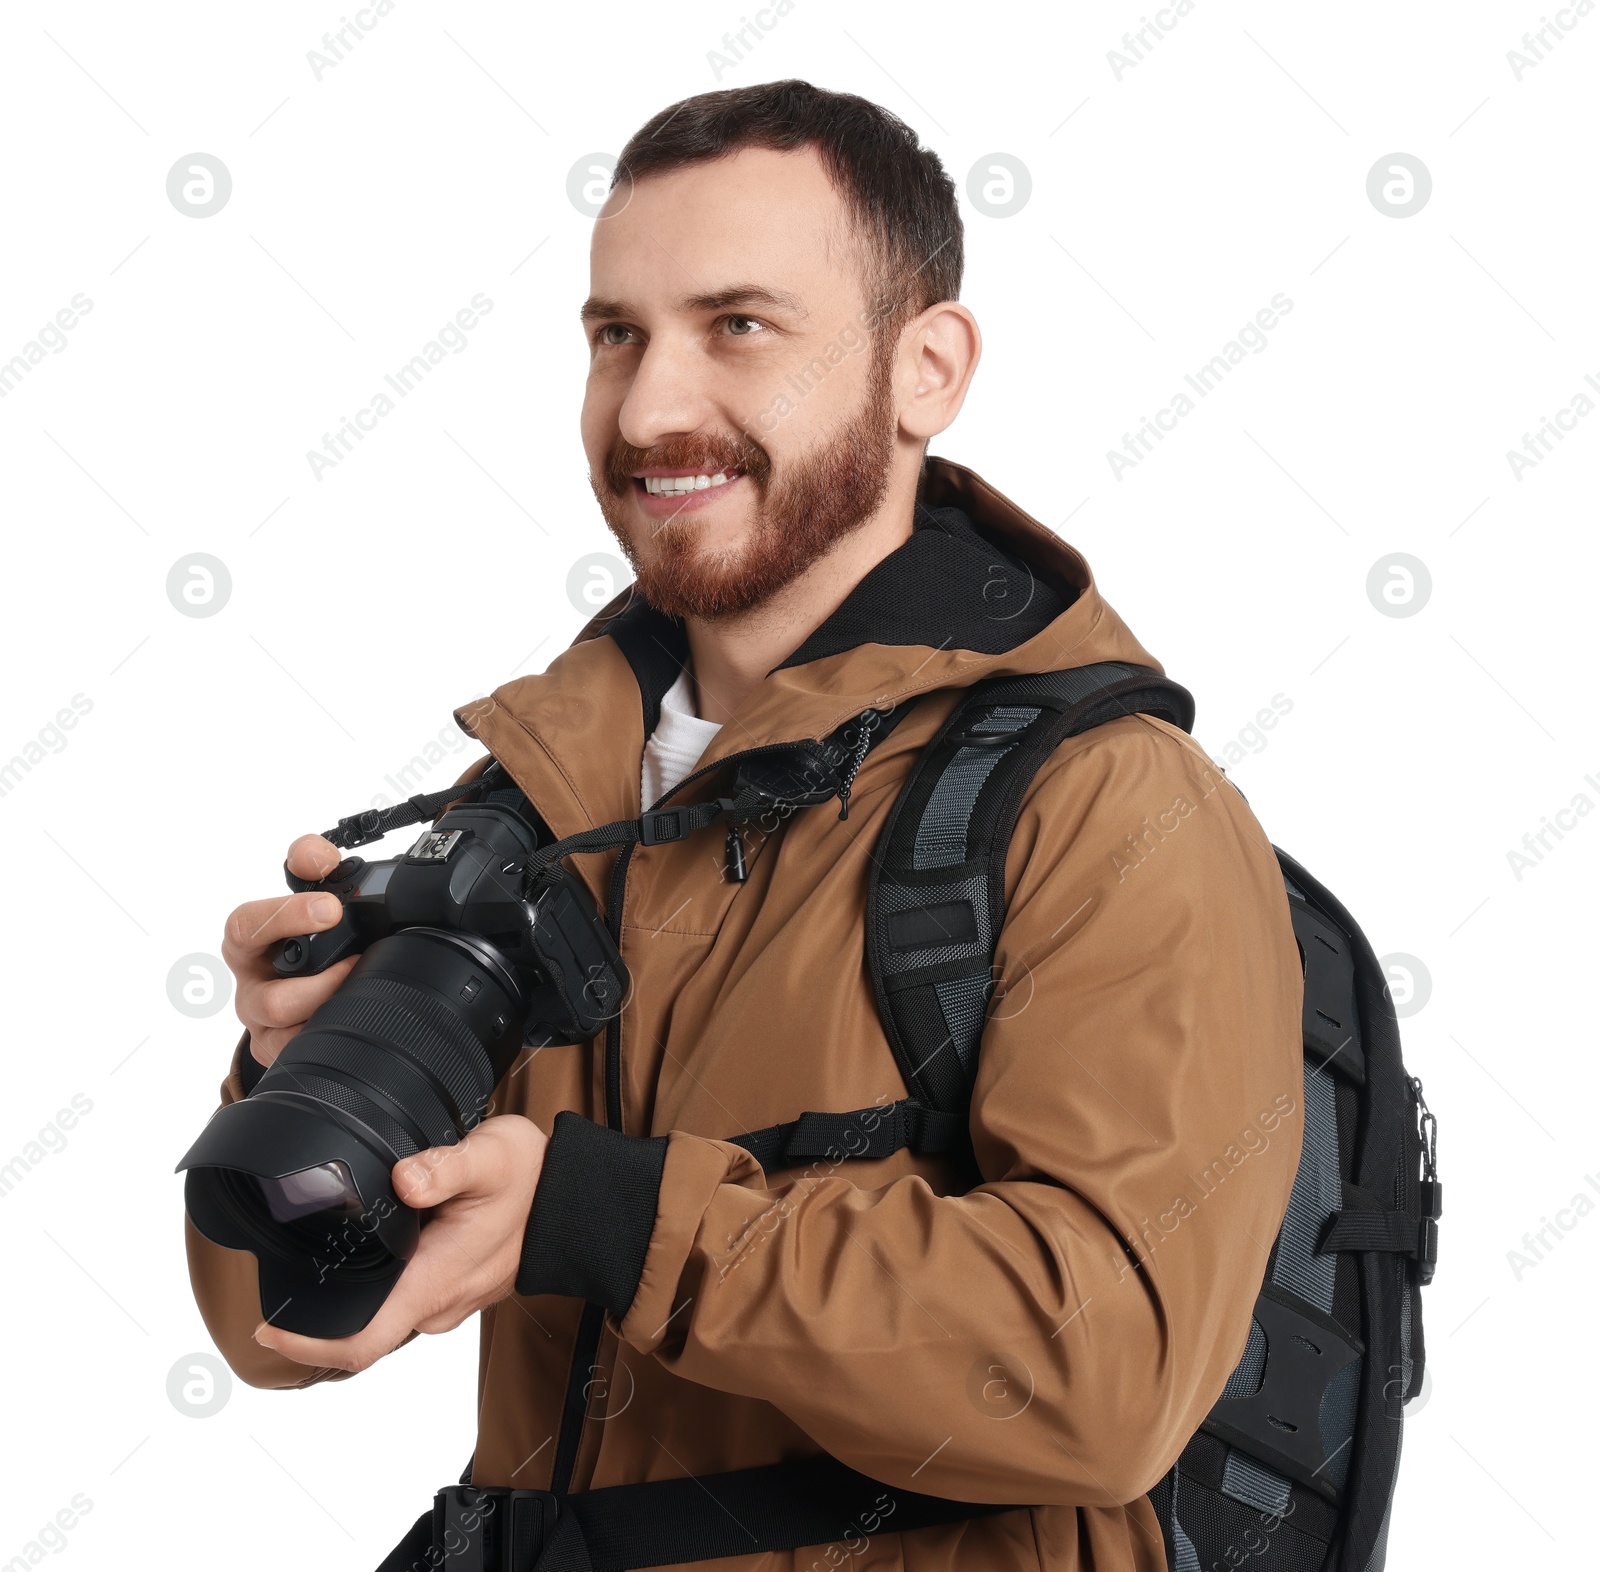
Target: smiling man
pixel 707 1332
pixel 756 447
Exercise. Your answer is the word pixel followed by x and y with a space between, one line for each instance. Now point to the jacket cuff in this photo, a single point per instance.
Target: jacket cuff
pixel 593 1214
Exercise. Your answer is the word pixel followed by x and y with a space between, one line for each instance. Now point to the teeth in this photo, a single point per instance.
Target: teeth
pixel 678 485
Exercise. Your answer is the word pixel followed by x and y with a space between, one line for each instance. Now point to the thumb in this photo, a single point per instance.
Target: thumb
pixel 430 1176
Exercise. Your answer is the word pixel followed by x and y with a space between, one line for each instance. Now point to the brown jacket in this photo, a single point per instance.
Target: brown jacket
pixel 1051 1338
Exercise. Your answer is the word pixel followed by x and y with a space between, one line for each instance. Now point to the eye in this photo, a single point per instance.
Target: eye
pixel 603 335
pixel 744 327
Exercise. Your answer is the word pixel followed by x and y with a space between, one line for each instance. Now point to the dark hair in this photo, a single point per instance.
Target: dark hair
pixel 897 191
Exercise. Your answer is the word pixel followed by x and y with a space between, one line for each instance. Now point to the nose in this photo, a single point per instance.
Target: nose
pixel 669 396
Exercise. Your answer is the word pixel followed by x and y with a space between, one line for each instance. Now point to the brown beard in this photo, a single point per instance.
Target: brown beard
pixel 819 499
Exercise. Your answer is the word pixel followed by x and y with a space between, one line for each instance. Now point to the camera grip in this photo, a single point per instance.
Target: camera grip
pixel 311 953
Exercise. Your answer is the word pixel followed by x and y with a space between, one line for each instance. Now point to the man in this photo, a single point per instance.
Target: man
pixel 775 336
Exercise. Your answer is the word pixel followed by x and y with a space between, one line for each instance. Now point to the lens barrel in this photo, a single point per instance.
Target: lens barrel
pixel 404 1056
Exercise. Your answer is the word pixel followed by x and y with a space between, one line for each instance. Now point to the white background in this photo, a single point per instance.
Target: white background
pixel 431 164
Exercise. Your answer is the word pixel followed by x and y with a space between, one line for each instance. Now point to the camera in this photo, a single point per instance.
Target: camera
pixel 465 956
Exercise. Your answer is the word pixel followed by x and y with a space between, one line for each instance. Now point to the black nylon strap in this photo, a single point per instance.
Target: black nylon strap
pixel 1396 1232
pixel 659 825
pixel 359 829
pixel 650 829
pixel 1365 1223
pixel 864 1133
pixel 751 1511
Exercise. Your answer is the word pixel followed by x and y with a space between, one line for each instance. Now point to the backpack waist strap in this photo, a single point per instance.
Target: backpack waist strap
pixel 816 1501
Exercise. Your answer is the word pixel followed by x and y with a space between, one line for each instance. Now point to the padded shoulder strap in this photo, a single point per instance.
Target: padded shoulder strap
pixel 936 899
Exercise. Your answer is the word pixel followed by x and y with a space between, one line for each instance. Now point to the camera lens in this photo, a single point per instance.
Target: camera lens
pixel 404 1056
pixel 326 1188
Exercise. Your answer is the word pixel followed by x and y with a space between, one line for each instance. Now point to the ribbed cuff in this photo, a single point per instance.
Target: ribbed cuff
pixel 593 1214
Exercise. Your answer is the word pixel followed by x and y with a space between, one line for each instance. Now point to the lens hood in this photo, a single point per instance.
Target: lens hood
pixel 333 1285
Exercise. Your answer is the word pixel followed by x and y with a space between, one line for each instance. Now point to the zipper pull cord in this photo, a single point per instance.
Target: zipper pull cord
pixel 733 863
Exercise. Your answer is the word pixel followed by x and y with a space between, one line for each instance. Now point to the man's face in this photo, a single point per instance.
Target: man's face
pixel 739 415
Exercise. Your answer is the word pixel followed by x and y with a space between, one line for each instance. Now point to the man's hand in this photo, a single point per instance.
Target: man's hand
pixel 469 1251
pixel 275 1008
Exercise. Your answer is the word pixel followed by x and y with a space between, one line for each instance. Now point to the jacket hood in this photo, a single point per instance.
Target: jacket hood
pixel 980 590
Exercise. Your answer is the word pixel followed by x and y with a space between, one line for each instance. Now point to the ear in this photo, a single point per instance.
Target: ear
pixel 938 354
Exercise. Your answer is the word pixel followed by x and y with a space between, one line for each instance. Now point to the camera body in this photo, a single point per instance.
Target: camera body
pixel 463 959
pixel 466 875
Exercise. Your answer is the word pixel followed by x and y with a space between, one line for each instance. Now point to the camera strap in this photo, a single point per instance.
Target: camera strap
pixel 654 828
pixel 839 758
pixel 772 782
pixel 361 829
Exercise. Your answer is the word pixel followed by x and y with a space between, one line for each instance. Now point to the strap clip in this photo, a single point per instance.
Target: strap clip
pixel 480 1528
pixel 666 824
pixel 358 829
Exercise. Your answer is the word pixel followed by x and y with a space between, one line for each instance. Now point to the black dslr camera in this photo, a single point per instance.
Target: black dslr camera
pixel 465 956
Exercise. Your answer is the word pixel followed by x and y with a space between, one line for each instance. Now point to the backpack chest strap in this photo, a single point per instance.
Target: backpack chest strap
pixel 878 1131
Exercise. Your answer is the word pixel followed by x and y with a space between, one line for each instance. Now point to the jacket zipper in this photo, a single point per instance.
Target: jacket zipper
pixel 574 1407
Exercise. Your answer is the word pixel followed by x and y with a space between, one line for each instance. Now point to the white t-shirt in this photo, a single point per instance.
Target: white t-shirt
pixel 677 742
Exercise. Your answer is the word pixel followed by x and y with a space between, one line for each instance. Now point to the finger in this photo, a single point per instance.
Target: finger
pixel 270 1000
pixel 505 1150
pixel 313 857
pixel 384 1333
pixel 430 1177
pixel 253 928
pixel 426 1289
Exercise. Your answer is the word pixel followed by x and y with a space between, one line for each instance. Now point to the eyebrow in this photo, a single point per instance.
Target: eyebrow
pixel 600 308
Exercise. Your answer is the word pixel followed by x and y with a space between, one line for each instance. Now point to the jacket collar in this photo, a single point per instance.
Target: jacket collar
pixel 948 587
pixel 980 590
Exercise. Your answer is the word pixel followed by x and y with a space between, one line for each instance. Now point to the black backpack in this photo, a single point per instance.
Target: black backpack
pixel 1294 1468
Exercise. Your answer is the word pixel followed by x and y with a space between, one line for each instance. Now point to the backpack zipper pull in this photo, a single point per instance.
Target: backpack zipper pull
pixel 1428 1133
pixel 1430 1193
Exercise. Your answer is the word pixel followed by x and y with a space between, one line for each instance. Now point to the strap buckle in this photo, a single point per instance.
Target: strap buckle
pixel 665 824
pixel 673 824
pixel 478 1528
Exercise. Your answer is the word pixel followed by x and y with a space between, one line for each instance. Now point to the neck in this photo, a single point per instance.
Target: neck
pixel 732 654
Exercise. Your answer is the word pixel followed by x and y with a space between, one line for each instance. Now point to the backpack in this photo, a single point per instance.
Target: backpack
pixel 1294 1468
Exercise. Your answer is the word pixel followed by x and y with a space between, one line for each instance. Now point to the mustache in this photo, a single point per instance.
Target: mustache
pixel 697 452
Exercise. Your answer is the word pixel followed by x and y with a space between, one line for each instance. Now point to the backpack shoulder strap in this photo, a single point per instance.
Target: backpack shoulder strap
pixel 936 896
